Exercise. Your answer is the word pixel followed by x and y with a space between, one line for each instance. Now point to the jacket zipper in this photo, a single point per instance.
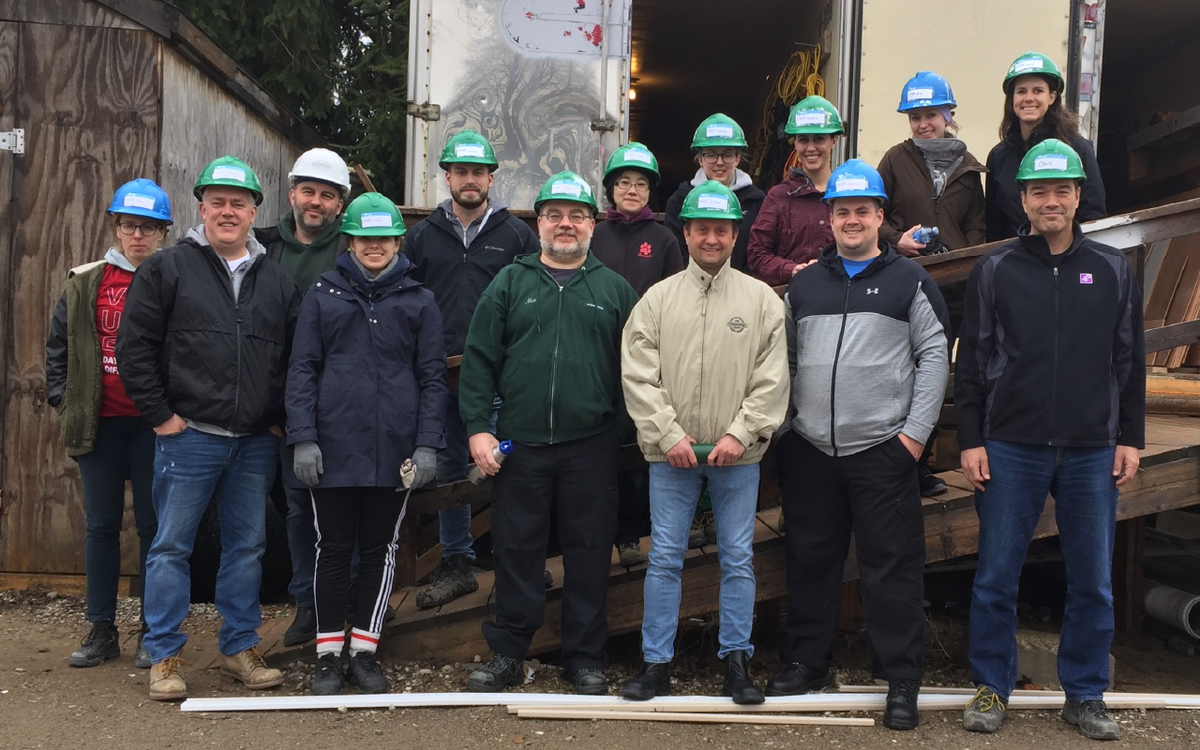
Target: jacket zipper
pixel 1054 373
pixel 237 383
pixel 554 358
pixel 837 353
pixel 703 336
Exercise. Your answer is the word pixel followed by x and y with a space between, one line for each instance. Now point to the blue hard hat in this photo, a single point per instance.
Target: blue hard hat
pixel 142 197
pixel 855 179
pixel 926 89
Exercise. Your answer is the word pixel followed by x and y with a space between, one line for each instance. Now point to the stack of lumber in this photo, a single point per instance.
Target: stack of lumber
pixel 1175 298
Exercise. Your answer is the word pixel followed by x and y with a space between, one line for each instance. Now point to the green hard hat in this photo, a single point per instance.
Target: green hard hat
pixel 566 186
pixel 711 200
pixel 814 115
pixel 719 131
pixel 1051 160
pixel 468 147
pixel 228 171
pixel 632 156
pixel 1037 64
pixel 372 215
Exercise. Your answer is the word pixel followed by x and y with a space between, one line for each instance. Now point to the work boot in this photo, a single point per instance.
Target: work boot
pixel 985 711
pixel 901 709
pixel 630 554
pixel 365 675
pixel 797 679
pixel 455 580
pixel 166 680
pixel 655 679
pixel 329 679
pixel 303 628
pixel 589 681
pixel 249 668
pixel 710 527
pixel 697 537
pixel 738 684
pixel 931 484
pixel 141 659
pixel 1092 719
pixel 547 579
pixel 500 672
pixel 97 647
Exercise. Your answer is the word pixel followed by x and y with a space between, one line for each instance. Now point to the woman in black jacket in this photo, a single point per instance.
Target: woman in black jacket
pixel 1033 112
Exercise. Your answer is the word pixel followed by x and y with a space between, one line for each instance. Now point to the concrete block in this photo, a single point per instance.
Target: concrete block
pixel 1037 659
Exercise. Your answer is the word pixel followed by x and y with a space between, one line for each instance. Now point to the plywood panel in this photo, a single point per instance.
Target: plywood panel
pixel 201 122
pixel 88 103
pixel 1181 307
pixel 64 13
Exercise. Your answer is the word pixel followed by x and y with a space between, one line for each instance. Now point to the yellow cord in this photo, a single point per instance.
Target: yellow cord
pixel 799 78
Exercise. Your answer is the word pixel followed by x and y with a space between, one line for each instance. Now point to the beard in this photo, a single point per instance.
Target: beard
pixel 312 227
pixel 472 202
pixel 572 252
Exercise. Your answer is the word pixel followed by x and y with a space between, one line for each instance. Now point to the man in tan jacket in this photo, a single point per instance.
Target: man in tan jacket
pixel 705 374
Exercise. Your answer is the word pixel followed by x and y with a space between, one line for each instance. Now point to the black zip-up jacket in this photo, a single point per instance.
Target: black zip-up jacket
pixel 1051 348
pixel 644 252
pixel 457 275
pixel 187 347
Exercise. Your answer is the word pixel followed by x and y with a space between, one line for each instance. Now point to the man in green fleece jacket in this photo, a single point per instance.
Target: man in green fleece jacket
pixel 546 339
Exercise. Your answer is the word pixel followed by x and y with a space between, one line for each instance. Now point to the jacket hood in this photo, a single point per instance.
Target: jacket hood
pixel 287 233
pixel 616 216
pixel 740 179
pixel 114 257
pixel 798 184
pixel 350 269
pixel 253 246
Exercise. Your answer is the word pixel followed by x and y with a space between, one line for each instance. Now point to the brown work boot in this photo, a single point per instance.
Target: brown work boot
pixel 249 668
pixel 166 680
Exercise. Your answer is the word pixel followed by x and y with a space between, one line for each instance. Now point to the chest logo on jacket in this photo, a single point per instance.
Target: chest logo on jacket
pixel 873 290
pixel 645 250
pixel 1085 278
pixel 737 325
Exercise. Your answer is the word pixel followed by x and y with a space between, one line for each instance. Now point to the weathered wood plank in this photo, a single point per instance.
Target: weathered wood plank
pixel 10 58
pixel 64 13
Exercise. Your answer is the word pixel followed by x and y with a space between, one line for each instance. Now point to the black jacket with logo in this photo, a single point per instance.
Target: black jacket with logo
pixel 644 252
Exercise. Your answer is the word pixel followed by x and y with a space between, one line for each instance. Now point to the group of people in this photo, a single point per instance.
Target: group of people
pixel 186 370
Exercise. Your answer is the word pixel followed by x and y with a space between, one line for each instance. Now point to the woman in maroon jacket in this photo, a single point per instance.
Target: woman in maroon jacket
pixel 793 223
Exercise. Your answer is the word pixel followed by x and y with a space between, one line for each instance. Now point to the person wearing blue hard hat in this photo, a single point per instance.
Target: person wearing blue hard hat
pixel 847 463
pixel 101 428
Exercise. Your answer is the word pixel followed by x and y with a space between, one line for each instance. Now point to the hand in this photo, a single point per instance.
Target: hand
pixel 172 426
pixel 726 452
pixel 681 455
pixel 915 448
pixel 909 246
pixel 975 466
pixel 801 266
pixel 307 463
pixel 275 430
pixel 424 461
pixel 1125 463
pixel 482 444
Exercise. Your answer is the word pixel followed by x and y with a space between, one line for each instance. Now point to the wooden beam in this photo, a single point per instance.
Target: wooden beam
pixel 1171 336
pixel 65 584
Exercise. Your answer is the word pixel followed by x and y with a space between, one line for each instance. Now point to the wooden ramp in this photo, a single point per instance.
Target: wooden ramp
pixel 1169 478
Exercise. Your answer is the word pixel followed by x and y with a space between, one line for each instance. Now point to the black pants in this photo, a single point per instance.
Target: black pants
pixel 578 479
pixel 875 495
pixel 633 504
pixel 370 516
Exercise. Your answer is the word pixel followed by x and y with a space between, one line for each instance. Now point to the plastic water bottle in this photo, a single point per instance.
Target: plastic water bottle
pixel 925 235
pixel 475 475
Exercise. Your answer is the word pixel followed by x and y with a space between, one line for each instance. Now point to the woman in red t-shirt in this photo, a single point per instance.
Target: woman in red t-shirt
pixel 101 428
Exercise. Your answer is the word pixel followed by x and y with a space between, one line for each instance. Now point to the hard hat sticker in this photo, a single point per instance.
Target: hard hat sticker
pixel 915 95
pixel 811 117
pixel 134 200
pixel 1050 162
pixel 468 150
pixel 849 182
pixel 573 189
pixel 719 131
pixel 376 219
pixel 711 202
pixel 229 173
pixel 642 156
pixel 1027 65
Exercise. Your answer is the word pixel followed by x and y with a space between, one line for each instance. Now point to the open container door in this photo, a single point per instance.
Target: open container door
pixel 543 80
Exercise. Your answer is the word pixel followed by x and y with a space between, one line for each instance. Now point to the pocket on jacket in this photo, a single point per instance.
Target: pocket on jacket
pixel 525 388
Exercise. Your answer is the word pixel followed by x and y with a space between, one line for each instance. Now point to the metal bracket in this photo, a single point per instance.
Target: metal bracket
pixel 606 125
pixel 13 140
pixel 428 112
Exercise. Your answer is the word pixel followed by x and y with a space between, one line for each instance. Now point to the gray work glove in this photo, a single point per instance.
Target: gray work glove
pixel 307 463
pixel 424 461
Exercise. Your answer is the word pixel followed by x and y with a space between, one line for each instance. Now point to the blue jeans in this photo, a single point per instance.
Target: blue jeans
pixel 302 544
pixel 673 496
pixel 190 469
pixel 1085 507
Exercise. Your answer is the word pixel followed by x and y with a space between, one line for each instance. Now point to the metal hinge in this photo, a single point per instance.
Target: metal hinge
pixel 428 112
pixel 13 140
pixel 604 126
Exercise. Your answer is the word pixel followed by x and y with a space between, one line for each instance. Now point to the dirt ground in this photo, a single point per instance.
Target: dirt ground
pixel 46 704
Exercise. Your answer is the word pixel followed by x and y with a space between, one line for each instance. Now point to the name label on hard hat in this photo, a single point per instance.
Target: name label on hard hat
pixel 469 150
pixel 811 117
pixel 719 131
pixel 1025 66
pixel 573 189
pixel 1050 162
pixel 712 202
pixel 851 183
pixel 642 156
pixel 915 95
pixel 134 200
pixel 376 219
pixel 229 173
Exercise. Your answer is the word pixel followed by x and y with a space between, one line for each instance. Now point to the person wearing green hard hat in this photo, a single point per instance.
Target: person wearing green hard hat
pixel 456 252
pixel 1056 405
pixel 1034 111
pixel 718 146
pixel 544 340
pixel 368 343
pixel 202 352
pixel 848 462
pixel 932 180
pixel 737 349
pixel 793 223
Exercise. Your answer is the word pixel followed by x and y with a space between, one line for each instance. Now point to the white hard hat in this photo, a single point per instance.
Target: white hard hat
pixel 324 165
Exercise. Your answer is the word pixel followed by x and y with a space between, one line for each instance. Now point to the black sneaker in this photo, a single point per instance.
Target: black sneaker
pixel 547 579
pixel 455 580
pixel 365 675
pixel 141 659
pixel 710 527
pixel 900 712
pixel 97 647
pixel 630 554
pixel 303 628
pixel 500 672
pixel 589 681
pixel 697 537
pixel 329 679
pixel 931 484
pixel 1092 719
pixel 654 680
pixel 797 679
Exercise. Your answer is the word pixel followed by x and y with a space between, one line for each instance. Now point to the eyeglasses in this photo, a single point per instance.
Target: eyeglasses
pixel 627 184
pixel 576 217
pixel 148 230
pixel 709 157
